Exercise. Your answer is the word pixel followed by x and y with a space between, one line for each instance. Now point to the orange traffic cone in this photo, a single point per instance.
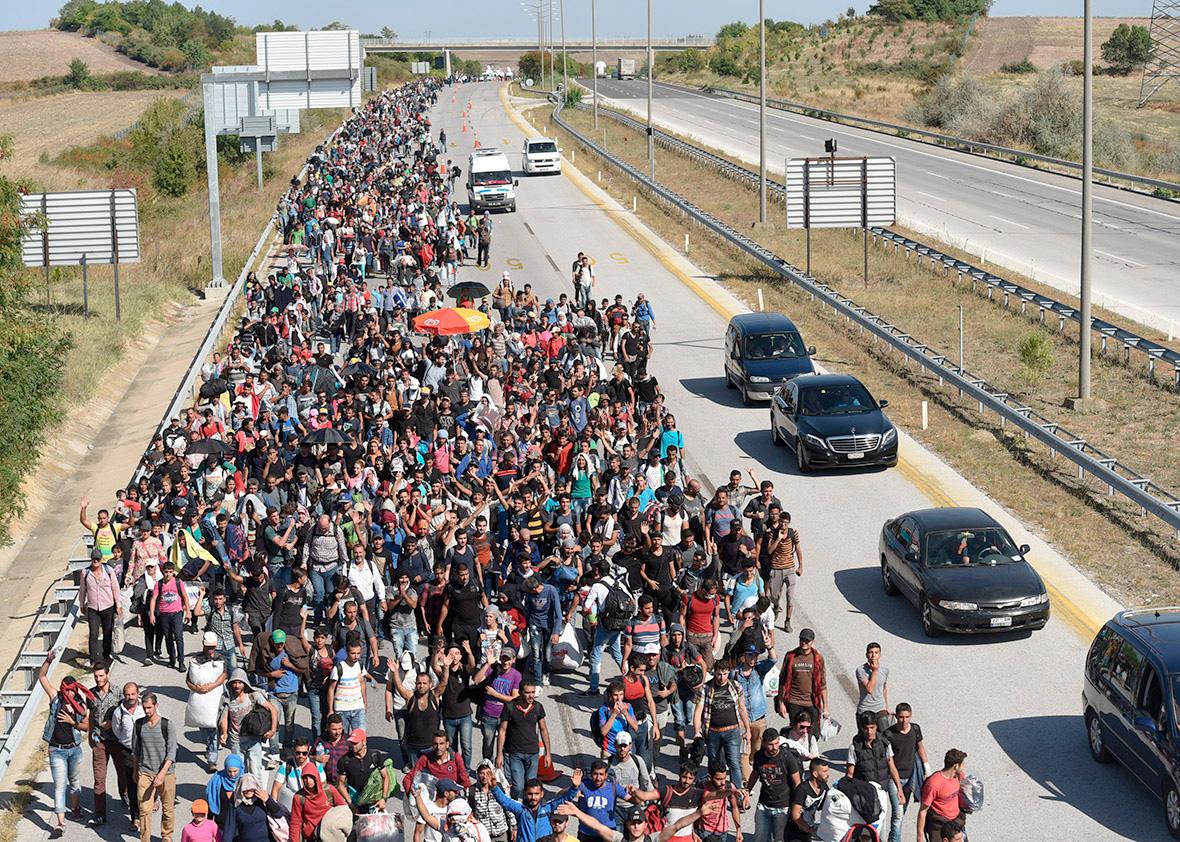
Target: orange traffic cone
pixel 464 127
pixel 545 770
pixel 477 146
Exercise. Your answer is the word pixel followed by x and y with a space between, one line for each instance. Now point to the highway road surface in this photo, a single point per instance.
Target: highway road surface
pixel 1011 702
pixel 1018 217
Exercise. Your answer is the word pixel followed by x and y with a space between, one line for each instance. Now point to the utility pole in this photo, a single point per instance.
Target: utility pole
pixel 1087 201
pixel 565 77
pixel 552 67
pixel 762 111
pixel 651 137
pixel 594 58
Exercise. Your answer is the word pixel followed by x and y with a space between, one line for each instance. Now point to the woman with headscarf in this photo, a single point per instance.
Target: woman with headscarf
pixel 251 808
pixel 220 789
pixel 311 805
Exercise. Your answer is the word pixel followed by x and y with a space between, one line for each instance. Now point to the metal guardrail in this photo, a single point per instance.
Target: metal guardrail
pixel 1139 489
pixel 1108 332
pixel 961 144
pixel 58 616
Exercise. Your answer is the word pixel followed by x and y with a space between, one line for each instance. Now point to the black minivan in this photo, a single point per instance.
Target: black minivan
pixel 762 352
pixel 1129 700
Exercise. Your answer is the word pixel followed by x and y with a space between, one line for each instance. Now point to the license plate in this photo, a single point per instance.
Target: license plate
pixel 856 456
pixel 998 622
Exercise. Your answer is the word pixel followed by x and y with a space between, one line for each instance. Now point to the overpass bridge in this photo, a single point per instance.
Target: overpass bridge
pixel 387 45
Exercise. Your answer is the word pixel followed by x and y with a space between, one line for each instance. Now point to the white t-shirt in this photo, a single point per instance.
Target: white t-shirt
pixel 348 686
pixel 429 834
pixel 471 831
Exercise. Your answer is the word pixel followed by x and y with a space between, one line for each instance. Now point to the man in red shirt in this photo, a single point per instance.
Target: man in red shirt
pixel 699 615
pixel 442 763
pixel 940 798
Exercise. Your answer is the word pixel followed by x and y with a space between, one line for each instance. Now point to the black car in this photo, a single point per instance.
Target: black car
pixel 963 571
pixel 831 421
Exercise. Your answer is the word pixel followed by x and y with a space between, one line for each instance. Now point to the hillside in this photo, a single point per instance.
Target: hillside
pixel 48 52
pixel 1046 42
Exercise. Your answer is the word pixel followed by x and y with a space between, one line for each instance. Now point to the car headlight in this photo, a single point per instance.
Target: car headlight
pixel 1030 601
pixel 814 441
pixel 889 436
pixel 951 605
pixel 754 378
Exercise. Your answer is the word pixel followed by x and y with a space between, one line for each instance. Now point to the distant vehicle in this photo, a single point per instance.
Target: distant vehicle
pixel 489 181
pixel 762 352
pixel 626 68
pixel 541 155
pixel 831 421
pixel 600 69
pixel 963 571
pixel 1130 699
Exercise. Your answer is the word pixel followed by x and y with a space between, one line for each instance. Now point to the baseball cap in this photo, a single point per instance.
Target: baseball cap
pixel 649 649
pixel 96 553
pixel 634 814
pixel 623 738
pixel 750 650
pixel 209 639
pixel 459 807
pixel 806 634
pixel 446 786
pixel 278 636
pixel 358 735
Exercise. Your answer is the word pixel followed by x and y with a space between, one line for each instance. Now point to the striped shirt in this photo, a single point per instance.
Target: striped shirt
pixel 488 810
pixel 642 632
pixel 783 557
pixel 153 745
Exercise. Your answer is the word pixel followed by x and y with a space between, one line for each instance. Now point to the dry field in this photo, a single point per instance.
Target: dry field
pixel 1086 524
pixel 47 52
pixel 52 124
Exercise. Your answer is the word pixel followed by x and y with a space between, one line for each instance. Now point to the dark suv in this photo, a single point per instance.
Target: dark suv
pixel 1129 698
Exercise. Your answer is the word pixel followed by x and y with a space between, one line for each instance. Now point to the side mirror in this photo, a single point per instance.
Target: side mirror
pixel 1025 549
pixel 811 350
pixel 516 182
pixel 1143 722
pixel 911 557
pixel 882 404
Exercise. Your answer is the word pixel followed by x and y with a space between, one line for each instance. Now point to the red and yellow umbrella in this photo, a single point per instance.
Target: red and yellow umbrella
pixel 451 321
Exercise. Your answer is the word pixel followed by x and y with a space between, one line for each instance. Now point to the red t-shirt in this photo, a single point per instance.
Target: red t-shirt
pixel 698 614
pixel 941 794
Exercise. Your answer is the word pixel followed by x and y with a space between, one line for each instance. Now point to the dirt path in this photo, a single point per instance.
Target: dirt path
pixel 996 42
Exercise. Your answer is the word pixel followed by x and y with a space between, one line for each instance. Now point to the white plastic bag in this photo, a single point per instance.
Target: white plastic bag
pixel 829 728
pixel 566 654
pixel 201 710
pixel 770 682
pixel 377 827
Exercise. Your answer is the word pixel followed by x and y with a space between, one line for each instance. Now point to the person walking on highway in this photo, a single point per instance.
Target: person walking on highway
pixel 584 280
pixel 779 771
pixel 99 597
pixel 720 716
pixel 102 741
pixel 782 552
pixel 872 679
pixel 154 751
pixel 803 682
pixel 940 798
pixel 483 241
pixel 68 718
pixel 870 758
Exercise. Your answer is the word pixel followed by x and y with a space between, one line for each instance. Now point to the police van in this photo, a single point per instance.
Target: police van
pixel 489 181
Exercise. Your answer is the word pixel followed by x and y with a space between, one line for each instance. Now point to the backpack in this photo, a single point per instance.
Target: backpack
pixel 255 723
pixel 863 796
pixel 617 609
pixel 654 812
pixel 165 726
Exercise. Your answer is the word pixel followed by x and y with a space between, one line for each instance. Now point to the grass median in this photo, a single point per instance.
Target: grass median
pixel 1077 516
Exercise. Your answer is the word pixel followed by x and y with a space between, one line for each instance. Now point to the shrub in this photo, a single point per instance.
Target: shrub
pixel 1024 66
pixel 173 169
pixel 573 96
pixel 1073 67
pixel 79 74
pixel 1036 356
pixel 1127 47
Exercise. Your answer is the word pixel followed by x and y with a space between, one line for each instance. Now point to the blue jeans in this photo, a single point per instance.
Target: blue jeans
pixel 603 639
pixel 642 746
pixel 353 719
pixel 770 823
pixel 537 648
pixel 284 738
pixel 521 768
pixel 321 585
pixel 231 657
pixel 459 733
pixel 318 702
pixel 729 742
pixel 895 814
pixel 251 750
pixel 212 745
pixel 681 711
pixel 64 764
pixel 403 640
pixel 489 727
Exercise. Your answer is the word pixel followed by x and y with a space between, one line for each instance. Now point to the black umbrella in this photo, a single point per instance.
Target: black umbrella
pixel 209 447
pixel 354 369
pixel 468 289
pixel 325 435
pixel 323 380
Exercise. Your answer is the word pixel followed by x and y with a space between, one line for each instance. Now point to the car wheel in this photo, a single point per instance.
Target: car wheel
pixel 801 457
pixel 513 208
pixel 887 579
pixel 929 627
pixel 1096 739
pixel 1172 809
pixel 775 438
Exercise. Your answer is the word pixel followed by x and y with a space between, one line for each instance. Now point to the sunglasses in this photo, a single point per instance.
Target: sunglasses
pixel 301 754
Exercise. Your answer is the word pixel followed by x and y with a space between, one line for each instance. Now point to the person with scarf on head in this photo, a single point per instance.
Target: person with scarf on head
pixel 68 711
pixel 251 808
pixel 311 804
pixel 220 789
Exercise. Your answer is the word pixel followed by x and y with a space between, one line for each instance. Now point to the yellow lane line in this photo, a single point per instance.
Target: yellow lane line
pixel 1064 608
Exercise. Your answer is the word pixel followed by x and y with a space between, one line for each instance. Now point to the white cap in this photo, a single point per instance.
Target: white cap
pixel 459 807
pixel 210 639
pixel 623 738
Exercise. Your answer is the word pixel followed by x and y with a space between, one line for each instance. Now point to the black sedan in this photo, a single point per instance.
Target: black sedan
pixel 832 421
pixel 963 571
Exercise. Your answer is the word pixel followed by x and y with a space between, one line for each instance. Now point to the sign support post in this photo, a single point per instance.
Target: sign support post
pixel 115 259
pixel 807 209
pixel 85 289
pixel 218 278
pixel 864 211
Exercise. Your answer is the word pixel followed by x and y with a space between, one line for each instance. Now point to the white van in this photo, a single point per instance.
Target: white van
pixel 541 155
pixel 489 181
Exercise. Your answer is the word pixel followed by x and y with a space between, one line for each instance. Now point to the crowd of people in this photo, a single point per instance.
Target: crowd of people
pixel 353 507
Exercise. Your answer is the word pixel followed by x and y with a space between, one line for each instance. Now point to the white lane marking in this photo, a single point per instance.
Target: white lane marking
pixel 1007 221
pixel 936 175
pixel 1119 258
pixel 929 195
pixel 798 118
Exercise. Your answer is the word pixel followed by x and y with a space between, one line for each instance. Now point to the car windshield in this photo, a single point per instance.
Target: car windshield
pixel 775 346
pixel 543 146
pixel 966 547
pixel 841 399
pixel 486 179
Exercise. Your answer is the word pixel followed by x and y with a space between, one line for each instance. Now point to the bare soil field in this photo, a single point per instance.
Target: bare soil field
pixel 34 53
pixel 1046 42
pixel 52 124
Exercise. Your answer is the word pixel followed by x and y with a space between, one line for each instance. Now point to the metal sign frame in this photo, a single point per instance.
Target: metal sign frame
pixel 315 69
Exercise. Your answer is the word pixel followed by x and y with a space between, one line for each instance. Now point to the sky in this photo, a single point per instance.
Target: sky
pixel 413 19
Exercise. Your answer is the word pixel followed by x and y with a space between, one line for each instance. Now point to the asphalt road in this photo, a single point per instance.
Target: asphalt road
pixel 1011 702
pixel 1015 216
